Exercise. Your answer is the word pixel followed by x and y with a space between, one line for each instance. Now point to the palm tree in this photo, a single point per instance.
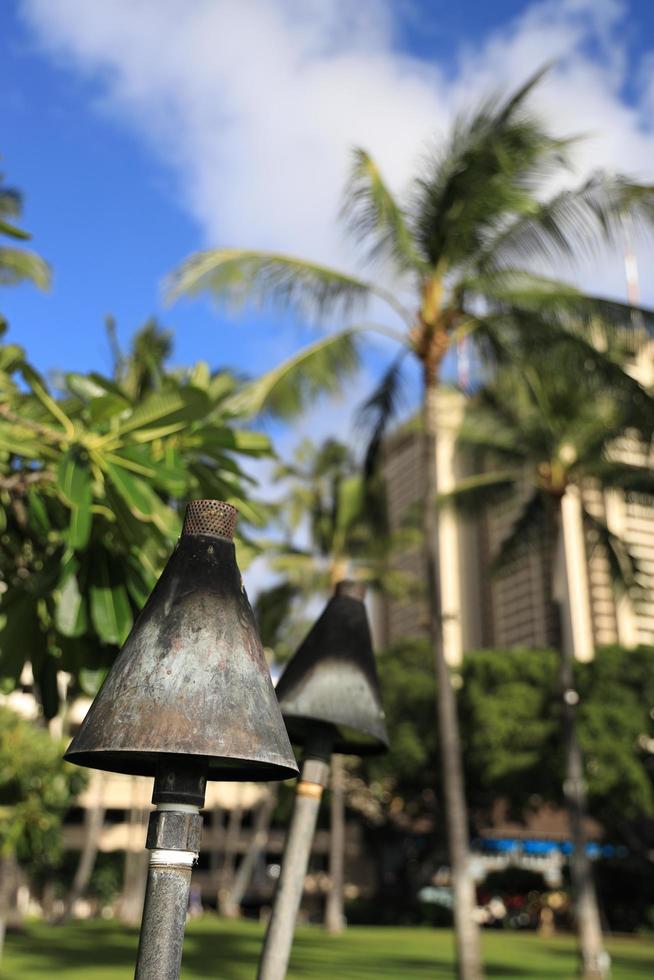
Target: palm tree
pixel 545 430
pixel 342 517
pixel 452 256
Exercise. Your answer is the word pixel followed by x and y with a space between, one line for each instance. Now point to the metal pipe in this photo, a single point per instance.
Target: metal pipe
pixel 174 844
pixel 277 945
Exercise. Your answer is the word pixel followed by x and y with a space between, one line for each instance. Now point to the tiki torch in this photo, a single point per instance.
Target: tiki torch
pixel 188 699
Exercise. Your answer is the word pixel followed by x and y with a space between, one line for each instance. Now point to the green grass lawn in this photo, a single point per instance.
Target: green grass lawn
pixel 105 951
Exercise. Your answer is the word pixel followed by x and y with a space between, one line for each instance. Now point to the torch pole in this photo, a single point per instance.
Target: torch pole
pixel 174 843
pixel 314 776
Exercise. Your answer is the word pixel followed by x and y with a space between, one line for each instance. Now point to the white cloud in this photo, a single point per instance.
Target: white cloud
pixel 256 105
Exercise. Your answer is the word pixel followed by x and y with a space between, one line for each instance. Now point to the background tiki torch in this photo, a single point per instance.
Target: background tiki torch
pixel 330 700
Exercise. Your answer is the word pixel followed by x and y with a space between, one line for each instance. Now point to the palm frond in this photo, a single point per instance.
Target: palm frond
pixel 238 276
pixel 627 477
pixel 530 523
pixel 574 222
pixel 623 567
pixel 473 493
pixel 373 217
pixel 484 433
pixel 272 608
pixel 556 301
pixel 494 162
pixel 320 368
pixel 378 411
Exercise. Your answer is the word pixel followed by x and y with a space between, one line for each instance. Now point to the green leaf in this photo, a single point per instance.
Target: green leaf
pixel 45 676
pixel 137 587
pixel 19 264
pixel 20 633
pixel 92 680
pixel 169 474
pixel 138 496
pixel 73 479
pixel 38 513
pixel 141 500
pixel 74 484
pixel 164 408
pixel 110 609
pixel 70 611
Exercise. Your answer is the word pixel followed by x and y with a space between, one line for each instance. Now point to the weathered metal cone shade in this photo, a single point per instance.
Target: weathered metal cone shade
pixel 332 679
pixel 191 683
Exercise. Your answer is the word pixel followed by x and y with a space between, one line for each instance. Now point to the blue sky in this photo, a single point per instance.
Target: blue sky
pixel 141 130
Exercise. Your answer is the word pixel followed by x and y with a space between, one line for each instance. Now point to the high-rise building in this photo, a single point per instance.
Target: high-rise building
pixel 546 597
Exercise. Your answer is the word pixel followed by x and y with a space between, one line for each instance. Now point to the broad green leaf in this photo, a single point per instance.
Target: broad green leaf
pixel 138 496
pixel 110 609
pixel 142 501
pixel 247 441
pixel 94 386
pixel 38 512
pixel 20 633
pixel 138 589
pixel 168 473
pixel 166 407
pixel 200 376
pixel 19 265
pixel 45 676
pixel 73 478
pixel 70 612
pixel 92 680
pixel 105 408
pixel 74 484
pixel 20 441
pixel 81 518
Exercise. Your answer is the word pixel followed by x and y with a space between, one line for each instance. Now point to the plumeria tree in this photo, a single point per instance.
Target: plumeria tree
pixel 543 431
pixel 454 260
pixel 91 485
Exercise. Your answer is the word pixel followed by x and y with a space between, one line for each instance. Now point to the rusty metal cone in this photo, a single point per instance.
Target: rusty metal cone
pixel 191 683
pixel 332 679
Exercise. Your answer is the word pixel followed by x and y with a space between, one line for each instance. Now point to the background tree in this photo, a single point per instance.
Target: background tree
pixel 454 254
pixel 36 789
pixel 511 714
pixel 546 429
pixel 511 717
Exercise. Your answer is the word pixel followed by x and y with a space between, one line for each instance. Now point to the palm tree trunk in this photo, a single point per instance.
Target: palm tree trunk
pixel 135 869
pixel 93 823
pixel 594 960
pixel 232 837
pixel 7 876
pixel 334 917
pixel 232 904
pixel 468 948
